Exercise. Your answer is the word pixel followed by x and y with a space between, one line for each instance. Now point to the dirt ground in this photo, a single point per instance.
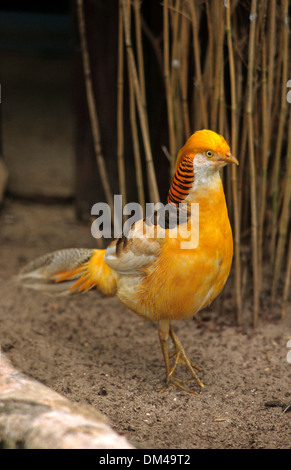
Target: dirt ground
pixel 93 350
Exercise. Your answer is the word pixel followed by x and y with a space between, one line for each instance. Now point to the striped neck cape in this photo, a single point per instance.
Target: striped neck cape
pixel 182 181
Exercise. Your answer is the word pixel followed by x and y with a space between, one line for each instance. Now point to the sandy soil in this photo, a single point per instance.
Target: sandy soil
pixel 93 350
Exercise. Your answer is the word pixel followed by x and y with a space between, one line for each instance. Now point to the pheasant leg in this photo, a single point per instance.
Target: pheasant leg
pixel 165 330
pixel 182 358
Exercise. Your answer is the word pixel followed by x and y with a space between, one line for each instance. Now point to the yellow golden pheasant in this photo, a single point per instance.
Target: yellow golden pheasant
pixel 150 268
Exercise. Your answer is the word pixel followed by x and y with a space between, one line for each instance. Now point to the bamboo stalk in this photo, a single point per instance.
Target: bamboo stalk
pixel 91 105
pixel 209 64
pixel 220 27
pixel 233 169
pixel 264 160
pixel 221 126
pixel 168 85
pixel 249 111
pixel 271 56
pixel 136 149
pixel 184 74
pixel 153 187
pixel 120 91
pixel 177 14
pixel 284 220
pixel 243 152
pixel 135 139
pixel 139 51
pixel 155 42
pixel 198 81
pixel 286 292
pixel 280 132
pixel 277 87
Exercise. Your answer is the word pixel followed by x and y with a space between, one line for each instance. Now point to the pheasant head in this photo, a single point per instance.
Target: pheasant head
pixel 199 162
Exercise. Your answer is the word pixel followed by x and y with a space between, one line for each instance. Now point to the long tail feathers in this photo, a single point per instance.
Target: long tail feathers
pixel 67 271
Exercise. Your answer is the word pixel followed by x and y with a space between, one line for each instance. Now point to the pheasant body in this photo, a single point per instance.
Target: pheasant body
pixel 181 282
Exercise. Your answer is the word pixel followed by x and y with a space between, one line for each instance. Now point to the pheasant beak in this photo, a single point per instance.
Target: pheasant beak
pixel 229 159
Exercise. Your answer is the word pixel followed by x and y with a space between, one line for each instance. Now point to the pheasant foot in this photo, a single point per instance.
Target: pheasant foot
pixel 165 330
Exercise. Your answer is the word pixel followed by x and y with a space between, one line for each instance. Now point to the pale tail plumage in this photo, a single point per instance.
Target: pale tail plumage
pixel 67 271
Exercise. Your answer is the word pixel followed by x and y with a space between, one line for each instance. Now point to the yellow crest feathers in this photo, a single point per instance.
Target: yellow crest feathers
pixel 201 141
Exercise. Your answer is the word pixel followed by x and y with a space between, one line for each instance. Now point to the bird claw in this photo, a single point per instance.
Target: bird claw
pixel 177 353
pixel 180 359
pixel 177 383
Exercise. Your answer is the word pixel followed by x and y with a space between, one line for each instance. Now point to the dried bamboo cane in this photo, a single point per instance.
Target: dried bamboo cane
pixel 221 127
pixel 284 219
pixel 264 160
pixel 136 149
pixel 141 76
pixel 277 92
pixel 177 15
pixel 233 169
pixel 139 51
pixel 220 26
pixel 153 187
pixel 271 55
pixel 198 81
pixel 155 42
pixel 242 164
pixel 120 91
pixel 135 139
pixel 280 132
pixel 184 74
pixel 92 107
pixel 249 111
pixel 168 85
pixel 209 63
pixel 286 292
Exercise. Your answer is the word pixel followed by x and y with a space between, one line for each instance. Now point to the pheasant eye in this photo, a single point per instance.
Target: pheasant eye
pixel 209 153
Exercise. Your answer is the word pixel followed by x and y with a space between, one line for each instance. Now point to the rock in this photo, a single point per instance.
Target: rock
pixel 33 416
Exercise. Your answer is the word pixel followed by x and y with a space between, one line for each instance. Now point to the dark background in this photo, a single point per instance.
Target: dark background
pixel 42 74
